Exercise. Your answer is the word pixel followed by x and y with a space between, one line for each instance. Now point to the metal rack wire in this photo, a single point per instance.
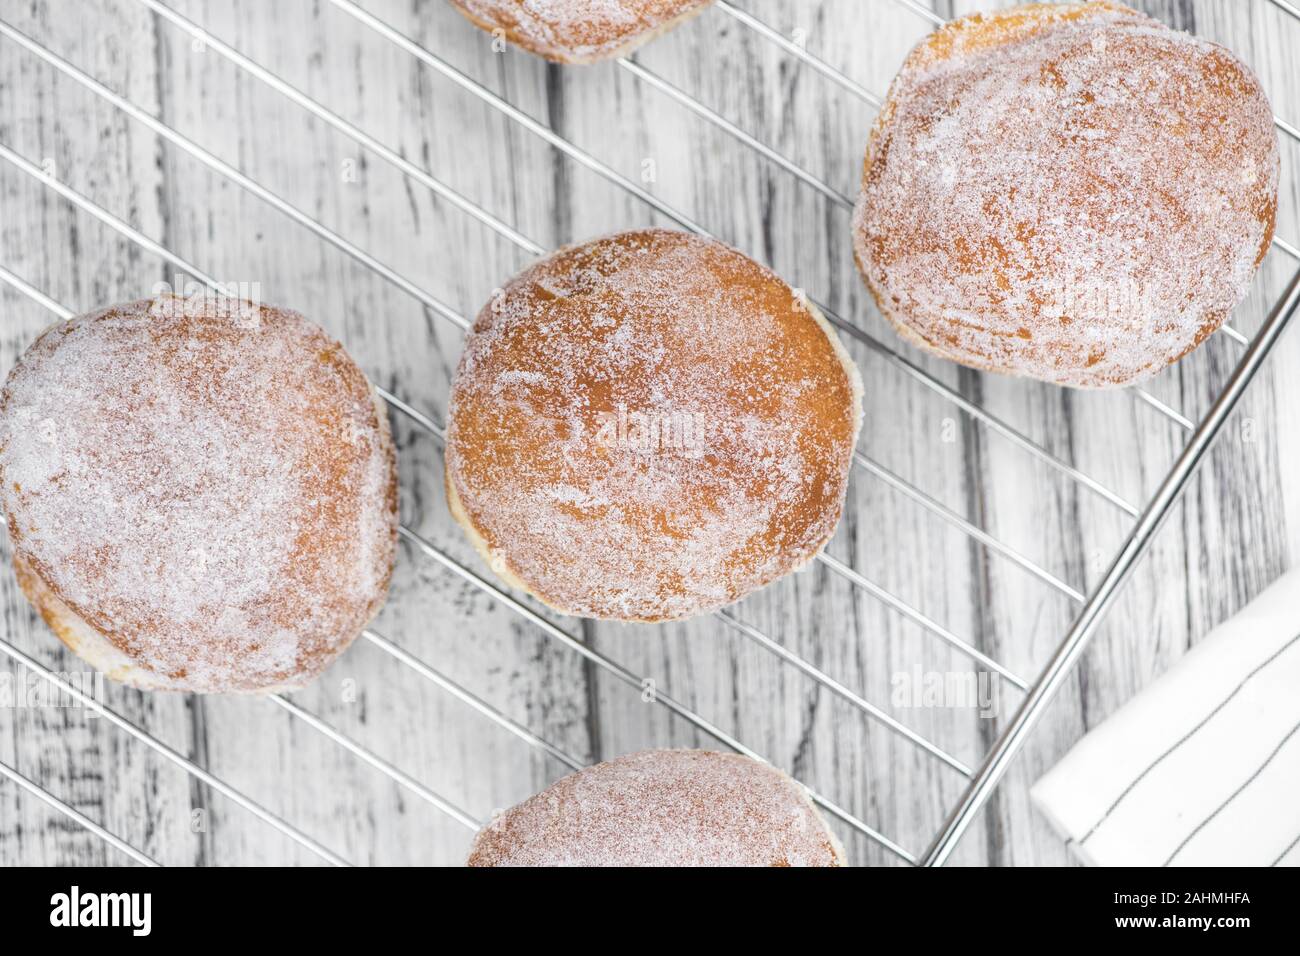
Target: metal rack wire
pixel 981 779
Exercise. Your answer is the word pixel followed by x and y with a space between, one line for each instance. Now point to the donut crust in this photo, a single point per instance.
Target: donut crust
pixel 678 329
pixel 663 808
pixel 201 494
pixel 588 31
pixel 1074 193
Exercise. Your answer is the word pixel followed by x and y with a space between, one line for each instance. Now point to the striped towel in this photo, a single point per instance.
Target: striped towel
pixel 1202 768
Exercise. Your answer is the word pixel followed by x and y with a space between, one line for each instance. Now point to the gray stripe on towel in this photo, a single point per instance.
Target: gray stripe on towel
pixel 1187 736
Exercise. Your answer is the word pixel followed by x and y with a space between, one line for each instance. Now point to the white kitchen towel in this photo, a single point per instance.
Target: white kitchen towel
pixel 1202 768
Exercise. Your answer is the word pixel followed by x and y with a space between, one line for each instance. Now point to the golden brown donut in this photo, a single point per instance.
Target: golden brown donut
pixel 1075 193
pixel 663 808
pixel 201 493
pixel 649 426
pixel 579 31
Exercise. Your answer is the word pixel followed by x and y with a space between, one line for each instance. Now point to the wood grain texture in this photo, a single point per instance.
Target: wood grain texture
pixel 1237 529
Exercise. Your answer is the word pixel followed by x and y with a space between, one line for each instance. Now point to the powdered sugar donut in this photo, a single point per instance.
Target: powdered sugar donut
pixel 579 31
pixel 1075 193
pixel 201 493
pixel 649 426
pixel 663 808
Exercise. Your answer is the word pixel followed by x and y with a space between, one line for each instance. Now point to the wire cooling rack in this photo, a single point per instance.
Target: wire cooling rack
pixel 982 778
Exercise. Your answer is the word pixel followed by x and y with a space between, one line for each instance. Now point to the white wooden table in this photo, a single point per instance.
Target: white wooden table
pixel 1237 529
